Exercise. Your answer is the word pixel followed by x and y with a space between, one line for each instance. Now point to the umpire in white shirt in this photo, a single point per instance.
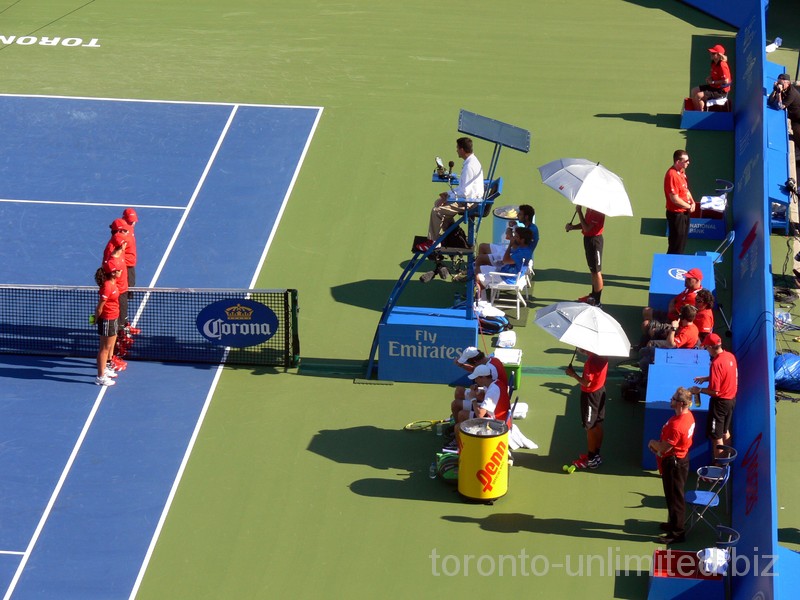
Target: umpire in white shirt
pixel 470 186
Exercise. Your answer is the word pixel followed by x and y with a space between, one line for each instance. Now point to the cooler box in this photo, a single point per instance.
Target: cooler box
pixel 483 460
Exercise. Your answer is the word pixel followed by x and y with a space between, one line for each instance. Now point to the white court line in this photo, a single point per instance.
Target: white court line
pixel 11 552
pixel 54 496
pixel 182 468
pixel 68 203
pixel 185 215
pixel 318 108
pixel 285 200
pixel 148 555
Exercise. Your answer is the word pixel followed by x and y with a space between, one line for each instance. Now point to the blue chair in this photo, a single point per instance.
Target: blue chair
pixel 716 255
pixel 701 501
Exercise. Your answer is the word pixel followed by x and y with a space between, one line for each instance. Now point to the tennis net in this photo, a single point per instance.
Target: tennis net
pixel 236 326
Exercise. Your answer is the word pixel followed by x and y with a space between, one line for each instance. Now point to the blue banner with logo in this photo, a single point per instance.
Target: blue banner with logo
pixel 237 323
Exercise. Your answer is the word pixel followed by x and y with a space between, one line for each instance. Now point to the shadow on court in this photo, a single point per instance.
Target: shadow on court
pixel 632 530
pixel 387 449
pixel 663 120
pixel 63 370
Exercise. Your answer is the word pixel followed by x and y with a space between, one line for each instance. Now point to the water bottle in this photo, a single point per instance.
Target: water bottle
pixel 439 428
pixel 432 470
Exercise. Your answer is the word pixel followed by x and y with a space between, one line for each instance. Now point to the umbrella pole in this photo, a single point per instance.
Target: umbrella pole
pixel 574 354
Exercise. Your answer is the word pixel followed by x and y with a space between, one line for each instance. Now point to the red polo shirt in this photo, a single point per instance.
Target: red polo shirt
pixel 704 321
pixel 724 375
pixel 675 182
pixel 720 71
pixel 687 296
pixel 130 249
pixel 677 432
pixel 109 293
pixel 686 336
pixel 596 222
pixel 595 370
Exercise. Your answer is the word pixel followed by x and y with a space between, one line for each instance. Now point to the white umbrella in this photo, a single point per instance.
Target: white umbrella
pixel 588 184
pixel 584 326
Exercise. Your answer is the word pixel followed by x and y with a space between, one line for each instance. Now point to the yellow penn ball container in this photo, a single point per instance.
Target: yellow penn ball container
pixel 483 460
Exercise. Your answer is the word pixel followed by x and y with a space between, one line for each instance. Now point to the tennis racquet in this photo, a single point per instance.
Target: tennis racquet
pixel 424 424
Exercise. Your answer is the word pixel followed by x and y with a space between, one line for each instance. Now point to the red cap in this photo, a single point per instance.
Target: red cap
pixel 118 239
pixel 712 339
pixel 119 224
pixel 694 274
pixel 718 49
pixel 112 264
pixel 130 215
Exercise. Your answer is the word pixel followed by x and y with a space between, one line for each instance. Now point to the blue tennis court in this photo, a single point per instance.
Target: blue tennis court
pixel 87 473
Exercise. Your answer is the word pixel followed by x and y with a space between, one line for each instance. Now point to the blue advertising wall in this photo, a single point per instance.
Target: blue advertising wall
pixel 761 569
pixel 754 490
pixel 732 12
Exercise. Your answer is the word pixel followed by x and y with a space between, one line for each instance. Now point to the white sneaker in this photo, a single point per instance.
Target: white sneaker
pixel 111 373
pixel 104 380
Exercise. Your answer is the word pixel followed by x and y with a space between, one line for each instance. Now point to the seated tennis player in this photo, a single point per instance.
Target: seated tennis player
pixel 518 252
pixel 471 358
pixel 492 254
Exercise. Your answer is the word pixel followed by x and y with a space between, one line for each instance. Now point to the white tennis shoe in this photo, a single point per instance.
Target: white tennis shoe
pixel 105 380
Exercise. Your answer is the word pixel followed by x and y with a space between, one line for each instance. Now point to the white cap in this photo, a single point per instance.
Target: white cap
pixel 467 353
pixel 481 371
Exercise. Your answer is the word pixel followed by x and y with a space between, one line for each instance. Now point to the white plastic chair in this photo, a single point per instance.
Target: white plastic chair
pixel 495 282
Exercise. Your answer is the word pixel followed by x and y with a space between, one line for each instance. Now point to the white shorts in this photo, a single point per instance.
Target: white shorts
pixel 496 253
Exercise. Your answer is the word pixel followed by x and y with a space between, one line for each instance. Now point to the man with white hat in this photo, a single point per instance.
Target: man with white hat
pixel 470 358
pixel 493 402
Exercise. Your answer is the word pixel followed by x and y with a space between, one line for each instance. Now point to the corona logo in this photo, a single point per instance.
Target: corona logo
pixel 246 323
pixel 239 313
pixel 493 466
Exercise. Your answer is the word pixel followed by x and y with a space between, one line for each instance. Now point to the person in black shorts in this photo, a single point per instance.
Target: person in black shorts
pixel 593 406
pixel 591 224
pixel 722 385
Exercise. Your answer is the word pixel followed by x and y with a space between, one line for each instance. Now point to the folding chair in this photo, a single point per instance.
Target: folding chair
pixel 714 473
pixel 716 255
pixel 727 538
pixel 701 501
pixel 496 283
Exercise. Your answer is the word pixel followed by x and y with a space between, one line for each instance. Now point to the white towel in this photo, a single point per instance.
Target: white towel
pixel 715 203
pixel 520 410
pixel 516 439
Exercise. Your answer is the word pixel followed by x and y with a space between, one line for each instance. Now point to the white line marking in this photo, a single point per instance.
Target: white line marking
pixel 90 419
pixel 285 200
pixel 157 101
pixel 16 200
pixel 176 483
pixel 185 215
pixel 54 495
pixel 11 552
